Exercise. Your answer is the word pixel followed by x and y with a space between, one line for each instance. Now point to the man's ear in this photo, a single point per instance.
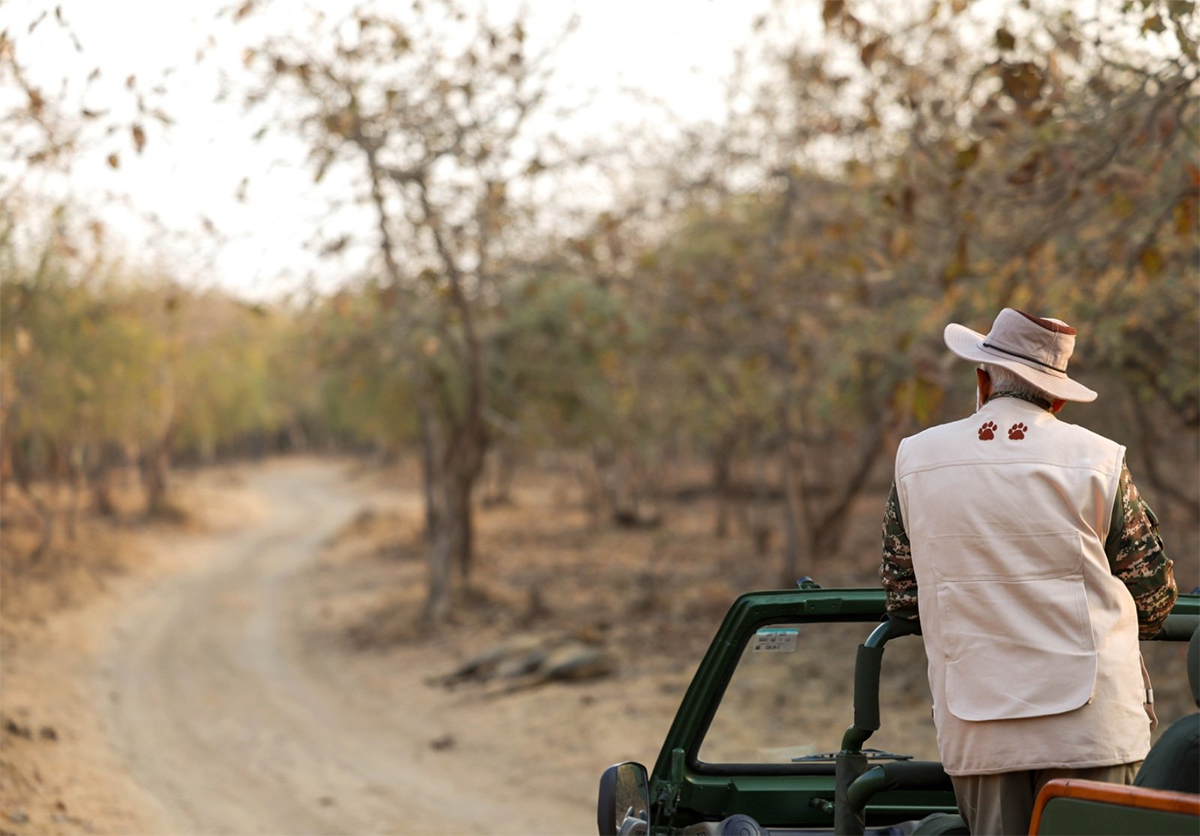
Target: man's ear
pixel 984 382
pixel 1056 405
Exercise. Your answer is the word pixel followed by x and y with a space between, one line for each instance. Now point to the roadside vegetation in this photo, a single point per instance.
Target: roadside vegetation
pixel 755 317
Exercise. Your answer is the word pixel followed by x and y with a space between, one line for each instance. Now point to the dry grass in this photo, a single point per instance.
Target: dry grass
pixel 56 773
pixel 652 597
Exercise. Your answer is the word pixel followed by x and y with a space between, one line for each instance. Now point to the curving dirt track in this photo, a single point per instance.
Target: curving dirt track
pixel 234 717
pixel 214 687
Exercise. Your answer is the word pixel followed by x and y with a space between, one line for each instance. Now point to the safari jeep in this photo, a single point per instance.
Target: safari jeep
pixel 757 745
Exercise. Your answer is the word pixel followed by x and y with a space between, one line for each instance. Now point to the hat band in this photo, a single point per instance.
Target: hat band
pixel 1023 357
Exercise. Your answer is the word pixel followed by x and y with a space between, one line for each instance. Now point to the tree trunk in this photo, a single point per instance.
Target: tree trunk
pixel 439 598
pixel 503 466
pixel 78 488
pixel 722 471
pixel 759 519
pixel 604 465
pixel 438 518
pixel 45 511
pixel 429 458
pixel 155 470
pixel 451 545
pixel 826 536
pixel 450 471
pixel 24 476
pixel 1152 455
pixel 793 503
pixel 593 491
pixel 102 499
pixel 6 469
pixel 100 480
pixel 464 539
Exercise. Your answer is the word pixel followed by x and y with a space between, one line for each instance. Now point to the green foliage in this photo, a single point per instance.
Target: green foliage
pixel 558 346
pixel 363 375
pixel 94 358
pixel 904 175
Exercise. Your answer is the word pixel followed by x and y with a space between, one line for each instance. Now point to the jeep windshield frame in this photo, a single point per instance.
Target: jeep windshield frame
pixel 685 789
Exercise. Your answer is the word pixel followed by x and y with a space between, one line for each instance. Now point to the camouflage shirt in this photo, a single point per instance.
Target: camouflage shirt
pixel 1134 549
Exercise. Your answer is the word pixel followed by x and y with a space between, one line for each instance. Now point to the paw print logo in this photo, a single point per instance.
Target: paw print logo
pixel 988 431
pixel 1017 431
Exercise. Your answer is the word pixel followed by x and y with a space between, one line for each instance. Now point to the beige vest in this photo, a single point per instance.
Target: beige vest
pixel 1032 643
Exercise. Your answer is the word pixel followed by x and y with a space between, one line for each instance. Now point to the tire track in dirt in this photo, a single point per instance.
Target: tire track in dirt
pixel 222 714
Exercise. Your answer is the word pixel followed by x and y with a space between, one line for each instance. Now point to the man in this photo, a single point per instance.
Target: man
pixel 1034 566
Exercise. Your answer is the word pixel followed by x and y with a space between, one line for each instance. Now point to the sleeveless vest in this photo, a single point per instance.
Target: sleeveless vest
pixel 1032 643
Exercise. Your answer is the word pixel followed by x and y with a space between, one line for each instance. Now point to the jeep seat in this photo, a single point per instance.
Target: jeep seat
pixel 1174 761
pixel 941 824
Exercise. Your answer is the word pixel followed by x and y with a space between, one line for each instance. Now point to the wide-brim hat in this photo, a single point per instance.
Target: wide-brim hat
pixel 1034 348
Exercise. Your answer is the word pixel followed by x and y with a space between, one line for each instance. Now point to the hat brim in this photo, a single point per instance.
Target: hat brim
pixel 968 345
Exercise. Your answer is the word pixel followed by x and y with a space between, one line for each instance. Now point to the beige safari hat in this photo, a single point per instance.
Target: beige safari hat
pixel 1034 348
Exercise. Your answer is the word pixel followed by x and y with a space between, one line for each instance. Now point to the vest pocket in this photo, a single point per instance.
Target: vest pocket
pixel 1006 557
pixel 1015 647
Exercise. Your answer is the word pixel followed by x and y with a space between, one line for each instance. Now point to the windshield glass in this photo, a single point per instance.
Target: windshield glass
pixel 792 696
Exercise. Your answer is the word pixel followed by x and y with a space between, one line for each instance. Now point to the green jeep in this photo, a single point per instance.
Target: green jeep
pixel 755 749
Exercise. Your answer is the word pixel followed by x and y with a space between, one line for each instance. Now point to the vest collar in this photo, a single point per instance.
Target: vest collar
pixel 1013 405
pixel 1033 399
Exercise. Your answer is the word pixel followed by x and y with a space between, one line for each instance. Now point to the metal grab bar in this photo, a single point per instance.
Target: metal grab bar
pixel 851 763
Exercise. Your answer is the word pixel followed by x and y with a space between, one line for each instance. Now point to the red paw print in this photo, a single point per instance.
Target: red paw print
pixel 988 431
pixel 1017 431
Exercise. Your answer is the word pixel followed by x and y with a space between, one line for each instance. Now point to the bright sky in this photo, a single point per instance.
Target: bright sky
pixel 675 50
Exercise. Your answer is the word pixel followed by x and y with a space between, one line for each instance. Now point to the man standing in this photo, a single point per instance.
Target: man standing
pixel 1034 566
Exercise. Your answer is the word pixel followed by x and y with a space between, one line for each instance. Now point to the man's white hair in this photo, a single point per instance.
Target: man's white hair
pixel 1004 380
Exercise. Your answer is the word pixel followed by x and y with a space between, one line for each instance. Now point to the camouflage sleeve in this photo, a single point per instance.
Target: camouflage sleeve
pixel 1135 553
pixel 896 570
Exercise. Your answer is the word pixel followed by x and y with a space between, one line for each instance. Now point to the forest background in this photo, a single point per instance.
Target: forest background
pixel 747 311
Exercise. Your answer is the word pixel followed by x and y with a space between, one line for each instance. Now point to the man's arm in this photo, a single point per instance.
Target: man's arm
pixel 1135 553
pixel 896 570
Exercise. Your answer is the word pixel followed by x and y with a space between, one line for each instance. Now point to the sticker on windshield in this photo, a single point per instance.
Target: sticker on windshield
pixel 775 640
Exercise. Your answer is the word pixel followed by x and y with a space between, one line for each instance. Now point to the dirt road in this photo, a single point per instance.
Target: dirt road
pixel 236 715
pixel 221 685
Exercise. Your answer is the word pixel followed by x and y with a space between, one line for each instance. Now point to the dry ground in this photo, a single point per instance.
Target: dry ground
pixel 262 670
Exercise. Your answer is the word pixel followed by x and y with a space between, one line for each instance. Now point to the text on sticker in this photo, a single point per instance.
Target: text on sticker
pixel 775 640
